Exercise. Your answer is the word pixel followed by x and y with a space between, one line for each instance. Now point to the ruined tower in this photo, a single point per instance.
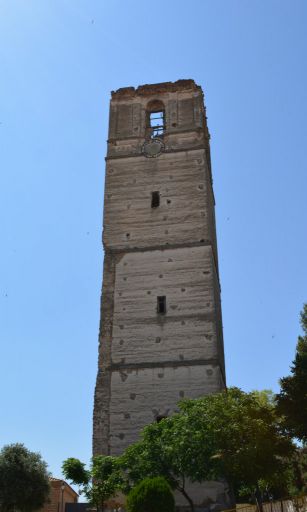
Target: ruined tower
pixel 161 330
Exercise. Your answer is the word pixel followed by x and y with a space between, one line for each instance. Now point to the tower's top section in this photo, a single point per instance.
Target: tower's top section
pixel 172 112
pixel 152 89
pixel 158 189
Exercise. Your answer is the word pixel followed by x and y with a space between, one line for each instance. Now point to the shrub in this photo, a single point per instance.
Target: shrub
pixel 151 495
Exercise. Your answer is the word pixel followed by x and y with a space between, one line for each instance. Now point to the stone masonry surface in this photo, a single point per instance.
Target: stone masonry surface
pixel 148 361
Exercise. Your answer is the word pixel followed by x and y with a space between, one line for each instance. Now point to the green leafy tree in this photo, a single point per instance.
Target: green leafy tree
pixel 230 435
pixel 292 399
pixel 248 444
pixel 151 495
pixel 98 484
pixel 24 479
pixel 298 469
pixel 166 449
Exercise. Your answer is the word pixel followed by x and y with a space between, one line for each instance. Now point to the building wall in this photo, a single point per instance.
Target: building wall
pixel 182 217
pixel 55 502
pixel 157 360
pixel 148 361
pixel 188 329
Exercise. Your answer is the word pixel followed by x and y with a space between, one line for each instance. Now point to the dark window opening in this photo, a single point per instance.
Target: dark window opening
pixel 156 123
pixel 161 305
pixel 155 199
pixel 160 417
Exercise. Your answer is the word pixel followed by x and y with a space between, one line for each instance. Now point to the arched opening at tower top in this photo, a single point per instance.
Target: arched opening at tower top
pixel 155 118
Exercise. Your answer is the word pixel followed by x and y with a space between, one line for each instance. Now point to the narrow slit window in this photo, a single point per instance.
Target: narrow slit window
pixel 156 123
pixel 161 305
pixel 155 199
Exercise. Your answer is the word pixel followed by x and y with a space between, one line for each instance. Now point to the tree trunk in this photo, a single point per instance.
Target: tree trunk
pixel 258 499
pixel 187 497
pixel 232 494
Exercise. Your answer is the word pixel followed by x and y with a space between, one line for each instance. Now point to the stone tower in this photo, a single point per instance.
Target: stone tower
pixel 161 331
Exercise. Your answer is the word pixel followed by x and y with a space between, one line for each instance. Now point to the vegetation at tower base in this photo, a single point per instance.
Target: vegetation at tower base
pixel 98 484
pixel 234 436
pixel 152 495
pixel 24 479
pixel 292 399
pixel 231 435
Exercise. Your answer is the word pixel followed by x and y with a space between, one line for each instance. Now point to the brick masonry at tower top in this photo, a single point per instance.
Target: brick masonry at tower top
pixel 160 333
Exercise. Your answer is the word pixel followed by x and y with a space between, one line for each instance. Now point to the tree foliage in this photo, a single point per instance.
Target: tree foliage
pixel 152 495
pixel 245 436
pixel 230 435
pixel 298 468
pixel 98 484
pixel 24 479
pixel 165 449
pixel 292 399
pixel 74 470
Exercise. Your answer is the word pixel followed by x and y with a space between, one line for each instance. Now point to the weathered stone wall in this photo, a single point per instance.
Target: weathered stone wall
pixel 139 395
pixel 187 331
pixel 149 361
pixel 101 423
pixel 158 359
pixel 182 217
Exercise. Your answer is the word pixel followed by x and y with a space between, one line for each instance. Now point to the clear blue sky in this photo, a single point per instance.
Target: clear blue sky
pixel 59 60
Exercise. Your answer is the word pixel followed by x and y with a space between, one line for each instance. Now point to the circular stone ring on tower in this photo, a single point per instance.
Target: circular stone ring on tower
pixel 153 148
